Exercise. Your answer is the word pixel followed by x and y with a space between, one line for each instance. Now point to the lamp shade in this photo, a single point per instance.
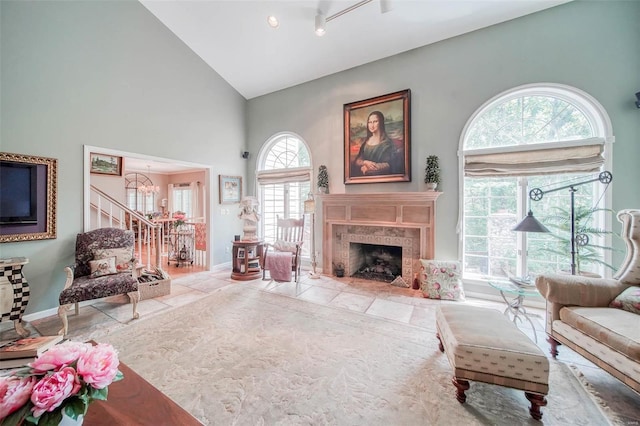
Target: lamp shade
pixel 530 224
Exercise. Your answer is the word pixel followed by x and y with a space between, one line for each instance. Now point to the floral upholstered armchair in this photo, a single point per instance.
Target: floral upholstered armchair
pixel 104 266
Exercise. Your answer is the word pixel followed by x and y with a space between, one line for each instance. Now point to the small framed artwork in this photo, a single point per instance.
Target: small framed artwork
pixel 376 139
pixel 106 164
pixel 230 189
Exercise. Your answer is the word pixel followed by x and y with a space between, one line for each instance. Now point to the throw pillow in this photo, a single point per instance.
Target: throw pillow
pixel 285 246
pixel 628 300
pixel 101 267
pixel 123 257
pixel 441 280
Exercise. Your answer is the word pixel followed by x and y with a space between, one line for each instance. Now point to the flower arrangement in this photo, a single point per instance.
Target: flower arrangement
pixel 66 378
pixel 154 215
pixel 179 218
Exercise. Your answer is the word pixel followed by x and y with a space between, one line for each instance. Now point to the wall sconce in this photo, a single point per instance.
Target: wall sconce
pixel 245 154
pixel 638 100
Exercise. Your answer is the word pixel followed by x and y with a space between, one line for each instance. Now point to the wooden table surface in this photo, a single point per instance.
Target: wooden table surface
pixel 134 401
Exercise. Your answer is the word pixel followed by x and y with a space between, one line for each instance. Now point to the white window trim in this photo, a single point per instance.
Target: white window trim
pixel 262 158
pixel 587 104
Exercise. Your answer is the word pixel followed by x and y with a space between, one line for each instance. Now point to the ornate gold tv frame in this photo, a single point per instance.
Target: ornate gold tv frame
pixel 45 228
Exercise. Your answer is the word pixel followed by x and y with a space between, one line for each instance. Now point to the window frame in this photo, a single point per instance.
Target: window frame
pixel 297 171
pixel 593 111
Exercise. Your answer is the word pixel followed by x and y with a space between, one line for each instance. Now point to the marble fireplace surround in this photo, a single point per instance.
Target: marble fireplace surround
pixel 404 219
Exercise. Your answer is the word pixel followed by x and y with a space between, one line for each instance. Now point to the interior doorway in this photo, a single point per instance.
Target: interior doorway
pixel 164 174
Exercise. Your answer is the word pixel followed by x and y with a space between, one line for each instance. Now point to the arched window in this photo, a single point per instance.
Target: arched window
pixel 140 192
pixel 284 179
pixel 534 136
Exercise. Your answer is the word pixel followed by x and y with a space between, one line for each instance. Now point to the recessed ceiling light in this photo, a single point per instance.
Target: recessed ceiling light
pixel 273 21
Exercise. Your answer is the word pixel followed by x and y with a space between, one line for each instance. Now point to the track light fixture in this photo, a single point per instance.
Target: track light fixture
pixel 321 20
pixel 321 23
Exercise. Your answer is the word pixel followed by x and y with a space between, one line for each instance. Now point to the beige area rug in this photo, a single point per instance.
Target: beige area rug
pixel 241 356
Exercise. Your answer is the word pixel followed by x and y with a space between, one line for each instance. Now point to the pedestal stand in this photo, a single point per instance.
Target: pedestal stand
pixel 14 292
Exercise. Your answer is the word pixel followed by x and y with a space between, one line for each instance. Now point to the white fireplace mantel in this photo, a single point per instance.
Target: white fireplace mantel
pixel 413 210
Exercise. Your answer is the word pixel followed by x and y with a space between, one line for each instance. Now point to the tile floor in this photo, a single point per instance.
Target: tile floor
pixel 368 297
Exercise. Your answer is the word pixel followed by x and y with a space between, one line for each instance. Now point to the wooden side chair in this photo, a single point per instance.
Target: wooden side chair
pixel 104 266
pixel 289 238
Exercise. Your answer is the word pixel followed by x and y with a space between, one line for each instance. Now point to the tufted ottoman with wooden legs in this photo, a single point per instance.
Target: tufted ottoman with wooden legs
pixel 483 345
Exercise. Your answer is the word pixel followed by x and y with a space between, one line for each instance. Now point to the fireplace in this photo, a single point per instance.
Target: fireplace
pixel 404 220
pixel 375 262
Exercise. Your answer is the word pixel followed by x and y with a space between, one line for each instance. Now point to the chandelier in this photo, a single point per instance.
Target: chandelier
pixel 150 188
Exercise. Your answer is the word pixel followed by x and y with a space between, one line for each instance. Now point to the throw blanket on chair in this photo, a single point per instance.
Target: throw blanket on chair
pixel 279 265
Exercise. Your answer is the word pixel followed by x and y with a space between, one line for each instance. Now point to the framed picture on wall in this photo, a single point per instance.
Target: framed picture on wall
pixel 106 164
pixel 376 139
pixel 230 189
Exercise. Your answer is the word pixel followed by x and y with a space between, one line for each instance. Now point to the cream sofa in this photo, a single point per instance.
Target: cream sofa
pixel 579 313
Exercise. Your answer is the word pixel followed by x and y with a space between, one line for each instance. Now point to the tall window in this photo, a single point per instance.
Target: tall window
pixel 542 137
pixel 182 199
pixel 139 192
pixel 284 178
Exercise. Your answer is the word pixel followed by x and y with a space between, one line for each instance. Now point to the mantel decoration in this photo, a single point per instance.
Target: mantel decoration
pixel 432 173
pixel 63 381
pixel 323 180
pixel 249 213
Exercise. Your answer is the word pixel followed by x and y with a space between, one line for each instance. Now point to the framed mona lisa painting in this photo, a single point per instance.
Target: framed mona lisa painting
pixel 376 139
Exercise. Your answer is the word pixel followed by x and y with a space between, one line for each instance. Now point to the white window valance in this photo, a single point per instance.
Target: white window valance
pixel 269 177
pixel 584 156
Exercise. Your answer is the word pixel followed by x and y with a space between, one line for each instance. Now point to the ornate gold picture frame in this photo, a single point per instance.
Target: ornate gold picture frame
pixel 37 180
pixel 376 139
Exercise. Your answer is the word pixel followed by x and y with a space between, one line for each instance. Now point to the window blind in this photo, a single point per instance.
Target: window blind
pixel 537 160
pixel 267 177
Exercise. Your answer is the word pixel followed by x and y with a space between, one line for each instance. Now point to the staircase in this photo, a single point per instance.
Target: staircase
pixel 109 212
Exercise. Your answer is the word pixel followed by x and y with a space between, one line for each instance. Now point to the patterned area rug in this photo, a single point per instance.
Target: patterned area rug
pixel 243 356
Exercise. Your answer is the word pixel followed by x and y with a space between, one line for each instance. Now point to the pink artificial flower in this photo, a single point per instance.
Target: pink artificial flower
pixel 59 356
pixel 14 393
pixel 98 366
pixel 51 391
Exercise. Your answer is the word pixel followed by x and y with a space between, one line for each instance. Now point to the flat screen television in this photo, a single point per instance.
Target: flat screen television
pixel 18 193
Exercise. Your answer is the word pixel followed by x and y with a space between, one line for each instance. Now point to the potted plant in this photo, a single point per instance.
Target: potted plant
pixel 323 180
pixel 587 254
pixel 432 173
pixel 338 269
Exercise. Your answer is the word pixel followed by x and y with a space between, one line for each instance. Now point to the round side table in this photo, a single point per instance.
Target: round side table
pixel 514 295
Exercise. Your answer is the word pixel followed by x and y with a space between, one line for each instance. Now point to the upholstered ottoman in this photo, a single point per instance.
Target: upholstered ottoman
pixel 484 345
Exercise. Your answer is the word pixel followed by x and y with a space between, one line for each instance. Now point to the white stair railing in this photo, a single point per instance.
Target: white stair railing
pixel 109 212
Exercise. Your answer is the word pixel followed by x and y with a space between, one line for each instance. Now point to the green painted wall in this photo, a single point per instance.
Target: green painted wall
pixel 107 74
pixel 591 45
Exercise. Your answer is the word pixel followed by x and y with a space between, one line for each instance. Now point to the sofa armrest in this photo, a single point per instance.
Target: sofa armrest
pixel 576 290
